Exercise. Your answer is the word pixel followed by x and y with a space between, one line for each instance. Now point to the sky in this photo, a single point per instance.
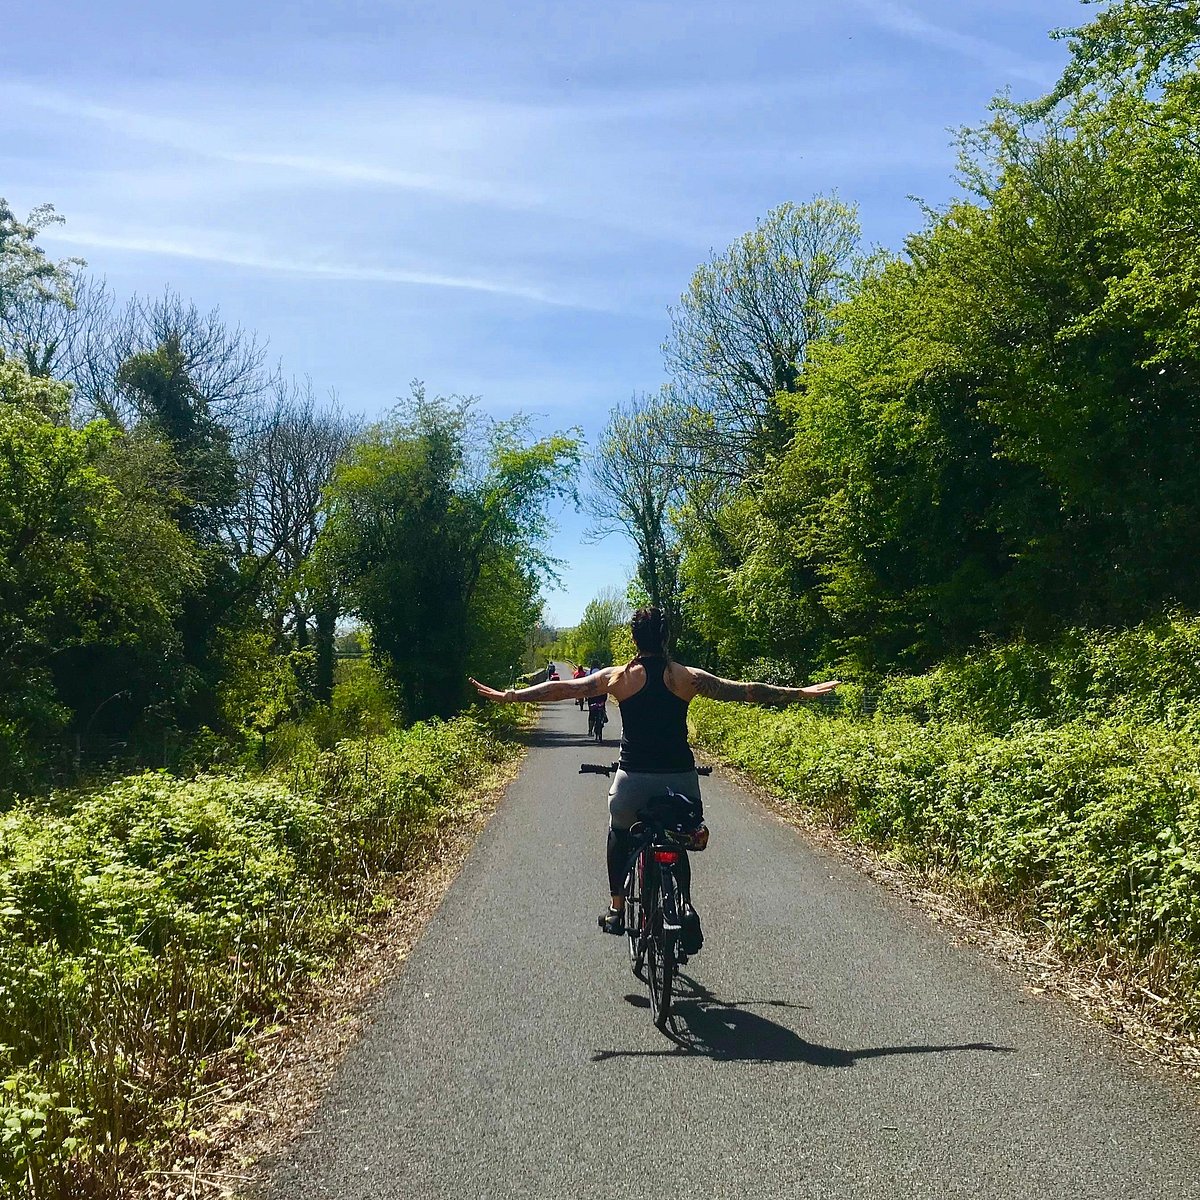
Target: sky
pixel 500 201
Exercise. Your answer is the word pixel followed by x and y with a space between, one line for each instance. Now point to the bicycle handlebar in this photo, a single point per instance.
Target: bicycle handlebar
pixel 600 769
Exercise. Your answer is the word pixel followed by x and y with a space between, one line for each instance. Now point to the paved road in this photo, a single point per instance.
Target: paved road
pixel 842 1047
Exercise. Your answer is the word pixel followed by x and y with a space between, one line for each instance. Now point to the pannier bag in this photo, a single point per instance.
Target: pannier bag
pixel 680 817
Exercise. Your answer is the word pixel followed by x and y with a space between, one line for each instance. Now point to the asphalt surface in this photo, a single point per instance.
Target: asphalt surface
pixel 835 1043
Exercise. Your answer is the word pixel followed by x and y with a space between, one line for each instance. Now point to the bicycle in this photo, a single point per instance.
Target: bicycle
pixel 597 719
pixel 656 905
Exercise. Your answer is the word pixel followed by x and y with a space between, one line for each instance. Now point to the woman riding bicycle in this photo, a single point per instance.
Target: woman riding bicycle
pixel 653 693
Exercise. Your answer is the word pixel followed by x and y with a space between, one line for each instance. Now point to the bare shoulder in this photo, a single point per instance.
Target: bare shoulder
pixel 625 680
pixel 684 681
pixel 610 676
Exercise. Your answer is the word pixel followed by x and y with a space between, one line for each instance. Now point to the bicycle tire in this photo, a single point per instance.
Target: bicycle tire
pixel 660 960
pixel 634 918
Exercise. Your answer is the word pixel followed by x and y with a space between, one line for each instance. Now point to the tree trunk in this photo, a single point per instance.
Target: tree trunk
pixel 325 618
pixel 300 631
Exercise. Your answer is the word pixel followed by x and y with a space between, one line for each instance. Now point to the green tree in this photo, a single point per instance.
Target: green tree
pixel 996 443
pixel 1133 86
pixel 633 488
pixel 1141 48
pixel 284 462
pixel 741 332
pixel 171 405
pixel 740 340
pixel 90 563
pixel 435 533
pixel 28 278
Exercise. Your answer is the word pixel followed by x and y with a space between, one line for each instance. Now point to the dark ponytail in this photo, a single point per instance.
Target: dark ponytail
pixel 649 629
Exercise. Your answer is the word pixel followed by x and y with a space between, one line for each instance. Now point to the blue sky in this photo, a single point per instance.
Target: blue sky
pixel 498 201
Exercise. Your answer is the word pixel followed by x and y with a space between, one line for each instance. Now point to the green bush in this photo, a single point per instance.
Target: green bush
pixel 1148 673
pixel 147 928
pixel 1090 826
pixel 363 703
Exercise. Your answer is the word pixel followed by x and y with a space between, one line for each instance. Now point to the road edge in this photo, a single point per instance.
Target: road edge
pixel 1105 1002
pixel 230 1152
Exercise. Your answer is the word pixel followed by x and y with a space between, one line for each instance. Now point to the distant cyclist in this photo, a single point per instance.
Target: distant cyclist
pixel 653 693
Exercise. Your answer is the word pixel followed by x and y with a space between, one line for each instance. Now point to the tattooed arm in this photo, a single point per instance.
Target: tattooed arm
pixel 716 688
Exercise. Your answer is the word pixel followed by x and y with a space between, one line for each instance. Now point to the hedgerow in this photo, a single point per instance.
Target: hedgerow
pixel 1090 827
pixel 147 929
pixel 1149 673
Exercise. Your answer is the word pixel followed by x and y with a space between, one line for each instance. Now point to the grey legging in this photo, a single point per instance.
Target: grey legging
pixel 629 794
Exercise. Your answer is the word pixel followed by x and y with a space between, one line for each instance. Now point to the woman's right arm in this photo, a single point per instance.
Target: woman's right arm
pixel 552 689
pixel 716 688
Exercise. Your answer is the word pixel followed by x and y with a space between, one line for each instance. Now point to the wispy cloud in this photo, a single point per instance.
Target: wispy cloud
pixel 175 247
pixel 484 144
pixel 475 153
pixel 900 19
pixel 212 140
pixel 349 171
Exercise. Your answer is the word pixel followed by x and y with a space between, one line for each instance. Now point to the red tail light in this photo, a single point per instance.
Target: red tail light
pixel 666 856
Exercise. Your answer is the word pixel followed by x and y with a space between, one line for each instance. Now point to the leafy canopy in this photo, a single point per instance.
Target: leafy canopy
pixel 436 532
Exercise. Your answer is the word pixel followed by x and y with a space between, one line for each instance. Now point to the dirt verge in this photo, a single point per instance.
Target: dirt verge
pixel 271 1088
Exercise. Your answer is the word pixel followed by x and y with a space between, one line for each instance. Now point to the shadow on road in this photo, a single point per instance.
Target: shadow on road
pixel 544 738
pixel 727 1031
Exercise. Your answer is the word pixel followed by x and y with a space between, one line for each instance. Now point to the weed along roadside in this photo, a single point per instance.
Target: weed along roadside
pixel 152 929
pixel 1080 823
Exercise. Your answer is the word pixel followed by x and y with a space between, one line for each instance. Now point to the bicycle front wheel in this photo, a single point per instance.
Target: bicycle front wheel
pixel 660 961
pixel 635 910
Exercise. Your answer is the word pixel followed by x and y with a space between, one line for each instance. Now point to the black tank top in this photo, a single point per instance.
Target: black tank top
pixel 654 724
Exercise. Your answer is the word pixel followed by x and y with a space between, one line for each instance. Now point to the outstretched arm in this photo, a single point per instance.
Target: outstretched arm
pixel 595 684
pixel 716 688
